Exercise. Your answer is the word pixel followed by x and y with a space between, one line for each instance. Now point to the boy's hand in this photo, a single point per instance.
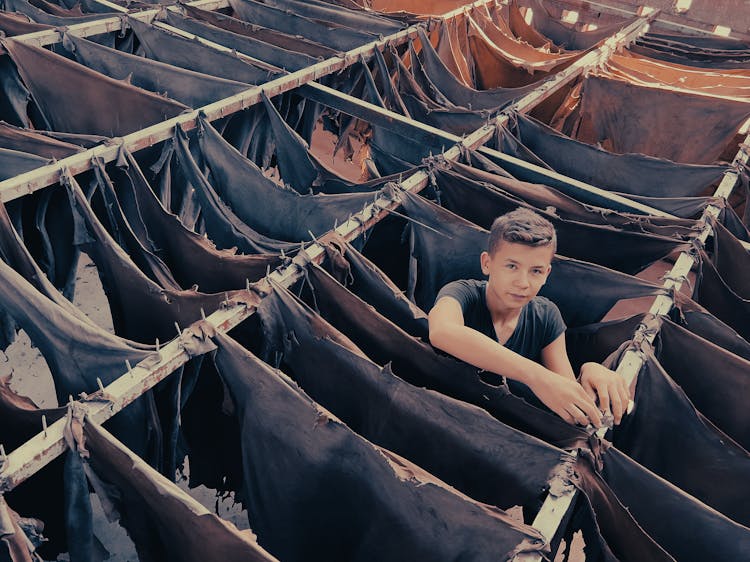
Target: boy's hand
pixel 567 399
pixel 609 387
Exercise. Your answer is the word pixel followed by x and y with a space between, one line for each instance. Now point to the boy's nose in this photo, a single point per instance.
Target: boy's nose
pixel 522 280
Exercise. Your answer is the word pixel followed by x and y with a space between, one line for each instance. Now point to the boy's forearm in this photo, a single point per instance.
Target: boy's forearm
pixel 475 348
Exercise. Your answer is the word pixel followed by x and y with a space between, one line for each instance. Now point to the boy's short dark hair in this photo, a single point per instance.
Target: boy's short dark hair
pixel 522 226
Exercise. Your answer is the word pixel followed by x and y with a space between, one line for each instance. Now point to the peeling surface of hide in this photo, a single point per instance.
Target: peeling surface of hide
pixel 76 99
pixel 627 118
pixel 315 489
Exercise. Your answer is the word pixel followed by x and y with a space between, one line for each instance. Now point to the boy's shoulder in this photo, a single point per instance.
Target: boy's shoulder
pixel 545 310
pixel 465 291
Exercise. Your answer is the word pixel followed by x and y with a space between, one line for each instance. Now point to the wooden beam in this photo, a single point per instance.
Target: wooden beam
pixel 105 24
pixel 632 362
pixel 44 176
pixel 666 21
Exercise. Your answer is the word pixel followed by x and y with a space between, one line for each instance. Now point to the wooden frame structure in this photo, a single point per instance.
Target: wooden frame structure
pixel 48 444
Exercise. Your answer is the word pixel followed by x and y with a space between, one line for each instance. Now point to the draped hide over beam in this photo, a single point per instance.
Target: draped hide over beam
pixel 175 526
pixel 385 412
pixel 624 173
pixel 721 285
pixel 62 18
pixel 301 169
pixel 163 46
pixel 497 65
pixel 296 44
pixel 185 86
pixel 329 34
pixel 77 352
pixel 42 496
pixel 683 446
pixel 264 205
pixel 277 57
pixel 638 69
pixel 32 142
pixel 566 36
pixel 627 251
pixel 75 99
pixel 125 283
pixel 623 117
pixel 19 24
pixel 544 197
pixel 225 228
pixel 191 258
pixel 305 470
pixel 448 248
pixel 458 93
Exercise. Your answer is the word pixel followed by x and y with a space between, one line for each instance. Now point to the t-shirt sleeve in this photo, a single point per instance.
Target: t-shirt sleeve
pixel 554 325
pixel 461 291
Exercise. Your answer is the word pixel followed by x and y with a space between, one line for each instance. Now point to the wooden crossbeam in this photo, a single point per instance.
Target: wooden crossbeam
pixel 105 24
pixel 668 21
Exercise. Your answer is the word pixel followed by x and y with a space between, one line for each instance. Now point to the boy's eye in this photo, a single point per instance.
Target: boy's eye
pixel 511 266
pixel 536 271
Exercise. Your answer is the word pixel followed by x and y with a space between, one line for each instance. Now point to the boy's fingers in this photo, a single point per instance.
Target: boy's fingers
pixel 591 412
pixel 578 415
pixel 589 389
pixel 618 407
pixel 603 398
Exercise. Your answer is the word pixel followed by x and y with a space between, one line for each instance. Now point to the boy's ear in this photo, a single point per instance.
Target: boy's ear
pixel 484 260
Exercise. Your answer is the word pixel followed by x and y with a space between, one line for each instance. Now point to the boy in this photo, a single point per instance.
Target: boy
pixel 502 326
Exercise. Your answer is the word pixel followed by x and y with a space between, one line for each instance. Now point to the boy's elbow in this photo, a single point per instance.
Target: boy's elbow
pixel 438 337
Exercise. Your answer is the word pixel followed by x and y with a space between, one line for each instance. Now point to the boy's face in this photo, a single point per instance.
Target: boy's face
pixel 516 273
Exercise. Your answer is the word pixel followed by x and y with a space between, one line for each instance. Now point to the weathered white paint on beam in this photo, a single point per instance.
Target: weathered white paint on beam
pixel 105 24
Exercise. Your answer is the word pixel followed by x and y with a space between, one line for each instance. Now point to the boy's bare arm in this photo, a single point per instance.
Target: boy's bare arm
pixel 561 394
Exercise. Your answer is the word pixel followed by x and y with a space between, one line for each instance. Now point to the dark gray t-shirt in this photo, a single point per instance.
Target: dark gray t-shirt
pixel 539 324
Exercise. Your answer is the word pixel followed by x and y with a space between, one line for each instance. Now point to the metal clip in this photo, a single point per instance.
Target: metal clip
pixel 44 425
